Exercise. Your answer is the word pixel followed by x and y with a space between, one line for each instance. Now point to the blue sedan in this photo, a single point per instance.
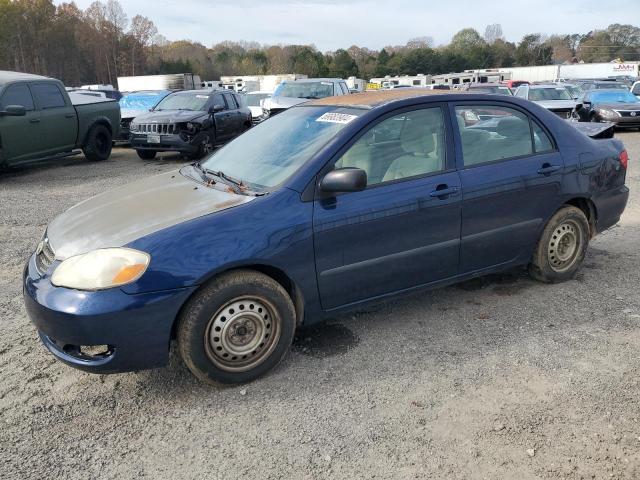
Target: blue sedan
pixel 326 207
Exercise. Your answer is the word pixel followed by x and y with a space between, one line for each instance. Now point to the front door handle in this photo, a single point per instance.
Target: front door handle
pixel 70 115
pixel 548 169
pixel 444 191
pixel 34 120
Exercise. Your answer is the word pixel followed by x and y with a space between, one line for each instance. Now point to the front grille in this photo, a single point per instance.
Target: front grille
pixel 166 128
pixel 44 256
pixel 626 113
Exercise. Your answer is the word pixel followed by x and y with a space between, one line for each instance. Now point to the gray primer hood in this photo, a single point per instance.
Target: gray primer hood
pixel 120 216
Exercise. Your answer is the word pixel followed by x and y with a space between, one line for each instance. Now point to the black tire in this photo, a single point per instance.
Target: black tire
pixel 205 142
pixel 210 340
pixel 562 246
pixel 146 154
pixel 98 143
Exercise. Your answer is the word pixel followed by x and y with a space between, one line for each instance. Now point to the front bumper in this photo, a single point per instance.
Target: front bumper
pixel 168 143
pixel 134 330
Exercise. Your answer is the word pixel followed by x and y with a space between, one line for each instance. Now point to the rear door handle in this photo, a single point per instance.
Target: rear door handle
pixel 70 115
pixel 444 191
pixel 34 120
pixel 547 169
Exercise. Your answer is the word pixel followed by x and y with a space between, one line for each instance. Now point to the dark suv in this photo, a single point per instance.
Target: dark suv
pixel 190 122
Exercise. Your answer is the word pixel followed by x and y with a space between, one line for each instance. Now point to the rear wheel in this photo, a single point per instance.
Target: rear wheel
pixel 236 328
pixel 562 246
pixel 98 144
pixel 146 154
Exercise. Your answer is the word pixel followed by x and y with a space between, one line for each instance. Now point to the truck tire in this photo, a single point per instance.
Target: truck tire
pixel 146 154
pixel 236 328
pixel 98 144
pixel 562 246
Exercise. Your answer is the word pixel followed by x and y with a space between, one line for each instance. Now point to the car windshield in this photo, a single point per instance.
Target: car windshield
pixel 253 99
pixel 611 86
pixel 268 154
pixel 574 90
pixel 304 90
pixel 614 97
pixel 492 90
pixel 184 101
pixel 552 93
pixel 141 100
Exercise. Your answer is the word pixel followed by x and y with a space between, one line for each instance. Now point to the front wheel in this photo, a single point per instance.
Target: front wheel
pixel 204 142
pixel 236 328
pixel 146 154
pixel 562 246
pixel 98 144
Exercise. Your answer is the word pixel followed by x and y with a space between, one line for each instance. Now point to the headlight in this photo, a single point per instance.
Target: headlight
pixel 265 112
pixel 133 127
pixel 191 126
pixel 608 113
pixel 100 269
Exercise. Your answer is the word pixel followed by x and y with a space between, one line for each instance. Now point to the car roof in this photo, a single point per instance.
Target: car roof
pixel 376 98
pixel 305 80
pixel 7 76
pixel 546 85
pixel 486 84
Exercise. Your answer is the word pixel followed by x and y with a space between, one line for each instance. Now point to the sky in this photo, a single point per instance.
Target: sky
pixel 339 24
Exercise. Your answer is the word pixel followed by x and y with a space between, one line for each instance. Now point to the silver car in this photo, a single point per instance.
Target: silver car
pixel 555 98
pixel 294 92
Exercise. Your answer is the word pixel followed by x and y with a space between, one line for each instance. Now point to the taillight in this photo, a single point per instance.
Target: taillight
pixel 624 158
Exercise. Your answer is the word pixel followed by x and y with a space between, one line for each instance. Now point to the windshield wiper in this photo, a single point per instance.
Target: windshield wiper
pixel 238 185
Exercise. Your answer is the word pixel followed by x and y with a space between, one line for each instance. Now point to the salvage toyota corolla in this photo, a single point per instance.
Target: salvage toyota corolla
pixel 327 206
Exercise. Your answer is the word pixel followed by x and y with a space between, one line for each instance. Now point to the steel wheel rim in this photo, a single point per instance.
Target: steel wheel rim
pixel 564 246
pixel 242 334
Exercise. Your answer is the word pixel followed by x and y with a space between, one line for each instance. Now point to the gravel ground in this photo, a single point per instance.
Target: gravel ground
pixel 500 377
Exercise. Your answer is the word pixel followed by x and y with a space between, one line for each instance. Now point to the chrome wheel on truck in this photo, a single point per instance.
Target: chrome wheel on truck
pixel 236 328
pixel 242 334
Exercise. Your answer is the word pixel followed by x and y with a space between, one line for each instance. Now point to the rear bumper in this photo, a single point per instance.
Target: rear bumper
pixel 610 206
pixel 133 331
pixel 168 143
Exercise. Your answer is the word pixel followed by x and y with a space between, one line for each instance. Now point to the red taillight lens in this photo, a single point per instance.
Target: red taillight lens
pixel 624 158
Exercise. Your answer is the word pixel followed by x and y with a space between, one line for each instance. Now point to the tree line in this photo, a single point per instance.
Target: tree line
pixel 100 43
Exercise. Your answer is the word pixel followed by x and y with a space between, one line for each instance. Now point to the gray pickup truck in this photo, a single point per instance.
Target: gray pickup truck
pixel 40 120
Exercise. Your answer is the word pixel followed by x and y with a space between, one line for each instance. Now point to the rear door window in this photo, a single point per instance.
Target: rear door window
pixel 17 95
pixel 47 95
pixel 491 133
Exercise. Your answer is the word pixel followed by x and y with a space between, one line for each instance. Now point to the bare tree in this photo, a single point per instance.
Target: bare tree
pixel 142 30
pixel 493 32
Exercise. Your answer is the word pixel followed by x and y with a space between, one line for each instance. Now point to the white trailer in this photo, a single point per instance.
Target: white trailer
pixel 175 81
pixel 357 84
pixel 420 80
pixel 263 83
pixel 548 73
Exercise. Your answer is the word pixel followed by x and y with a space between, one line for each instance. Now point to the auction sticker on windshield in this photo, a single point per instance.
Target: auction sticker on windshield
pixel 336 118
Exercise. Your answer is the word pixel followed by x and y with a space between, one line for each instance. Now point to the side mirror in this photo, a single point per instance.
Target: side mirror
pixel 13 111
pixel 216 108
pixel 344 180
